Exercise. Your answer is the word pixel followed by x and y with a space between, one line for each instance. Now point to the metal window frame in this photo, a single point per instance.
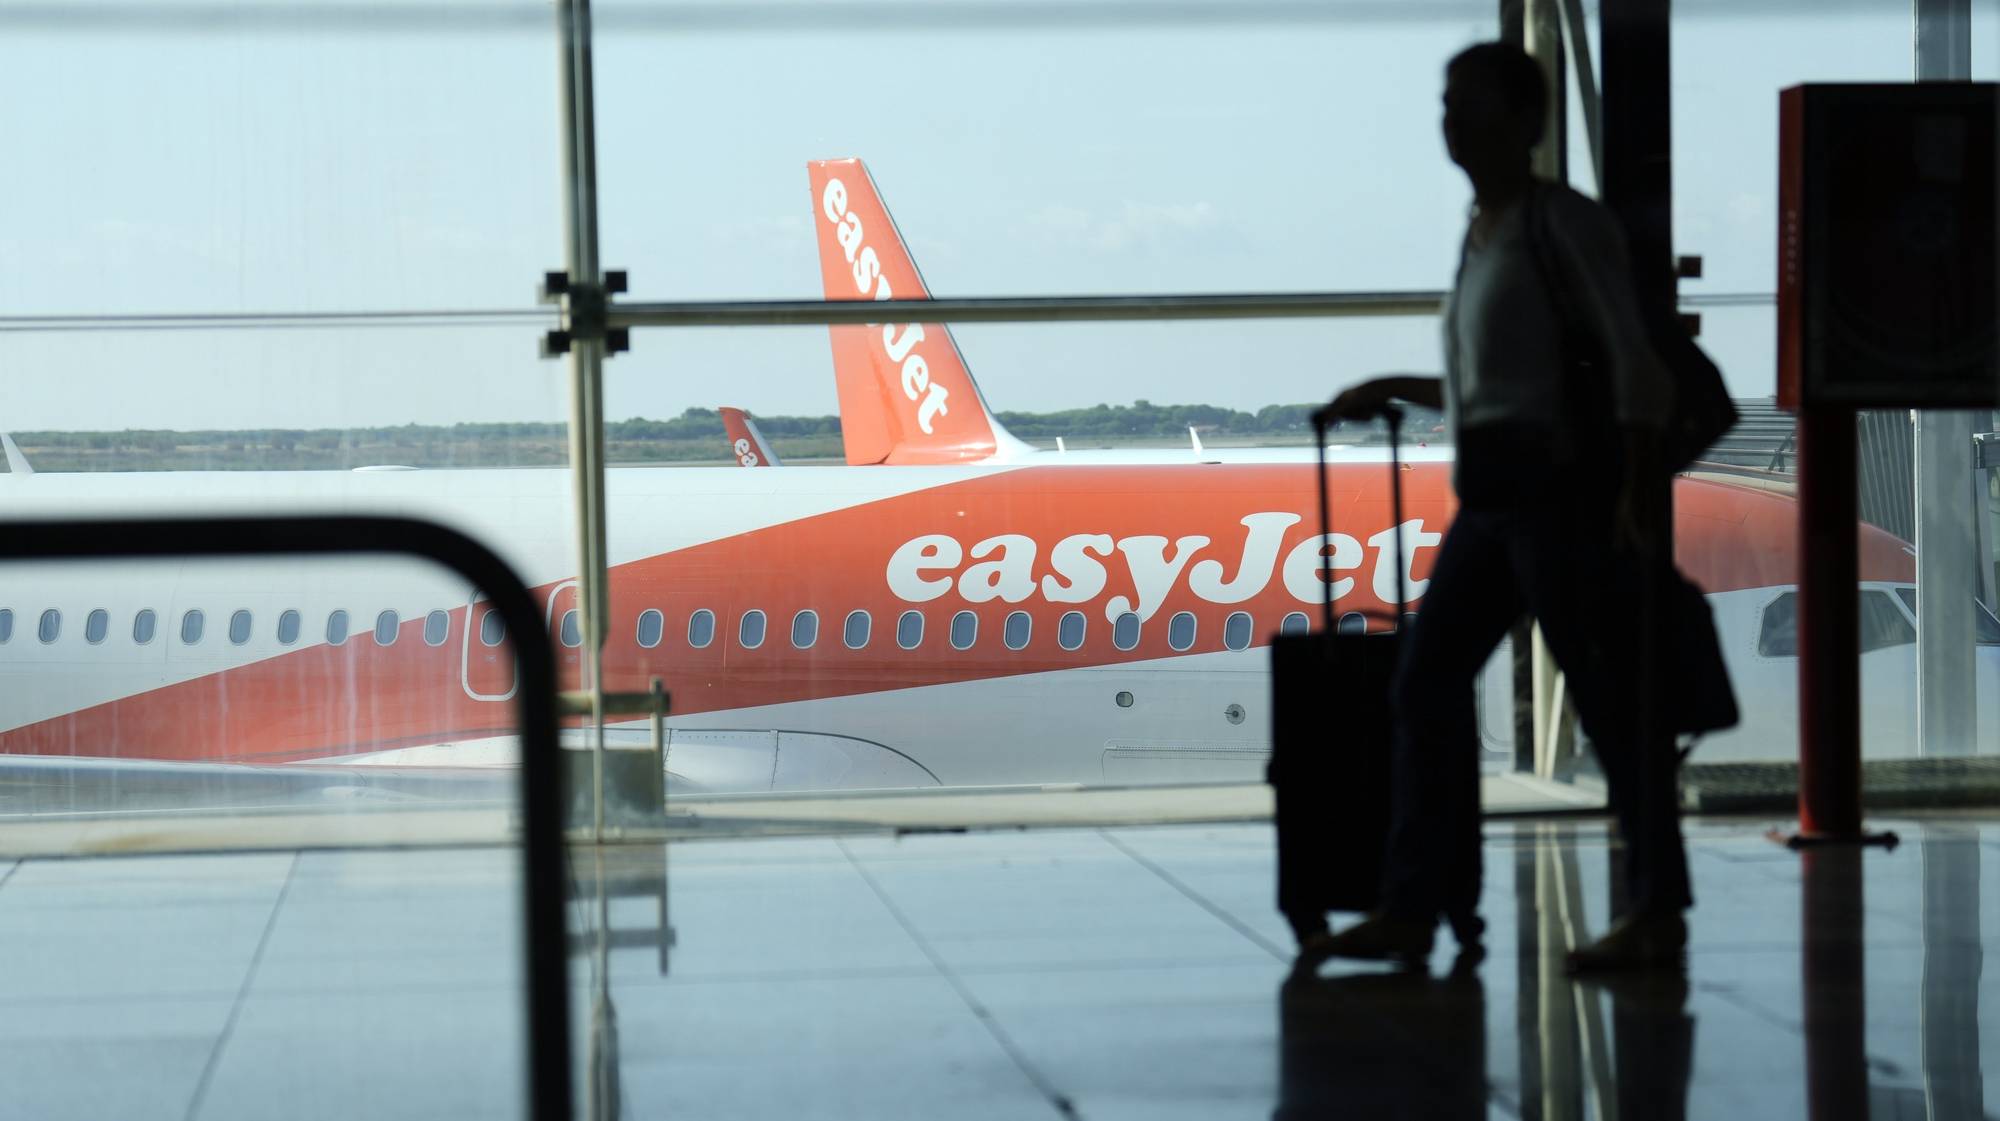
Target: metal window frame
pixel 546 960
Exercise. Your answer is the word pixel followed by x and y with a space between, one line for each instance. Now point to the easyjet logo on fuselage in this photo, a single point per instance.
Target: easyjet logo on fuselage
pixel 899 341
pixel 1013 567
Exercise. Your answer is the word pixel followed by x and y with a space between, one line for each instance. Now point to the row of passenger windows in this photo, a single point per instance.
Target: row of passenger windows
pixel 194 625
pixel 962 632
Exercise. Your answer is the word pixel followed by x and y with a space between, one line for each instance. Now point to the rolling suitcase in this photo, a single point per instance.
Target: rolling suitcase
pixel 1331 741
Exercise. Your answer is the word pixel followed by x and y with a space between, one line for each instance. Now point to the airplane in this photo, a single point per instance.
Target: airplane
pixel 746 444
pixel 819 628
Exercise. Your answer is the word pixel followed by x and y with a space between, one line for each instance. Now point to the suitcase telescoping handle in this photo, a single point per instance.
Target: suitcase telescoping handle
pixel 1393 416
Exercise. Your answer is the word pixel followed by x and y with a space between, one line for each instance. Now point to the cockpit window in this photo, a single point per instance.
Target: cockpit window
pixel 1985 626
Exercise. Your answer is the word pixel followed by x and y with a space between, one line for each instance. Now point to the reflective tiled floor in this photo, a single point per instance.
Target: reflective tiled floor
pixel 1091 973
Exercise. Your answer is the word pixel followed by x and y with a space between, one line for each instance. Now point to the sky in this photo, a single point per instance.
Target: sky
pixel 244 168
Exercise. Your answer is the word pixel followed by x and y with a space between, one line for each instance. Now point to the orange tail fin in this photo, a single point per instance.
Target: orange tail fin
pixel 746 444
pixel 905 393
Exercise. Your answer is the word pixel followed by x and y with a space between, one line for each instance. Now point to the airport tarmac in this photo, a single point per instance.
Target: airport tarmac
pixel 1095 973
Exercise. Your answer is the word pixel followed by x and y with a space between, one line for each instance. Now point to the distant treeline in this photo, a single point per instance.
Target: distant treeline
pixel 695 435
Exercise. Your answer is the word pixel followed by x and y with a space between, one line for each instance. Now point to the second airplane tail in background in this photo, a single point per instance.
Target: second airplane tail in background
pixel 906 396
pixel 746 443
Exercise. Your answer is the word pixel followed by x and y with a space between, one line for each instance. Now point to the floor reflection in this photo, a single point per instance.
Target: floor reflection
pixel 1131 972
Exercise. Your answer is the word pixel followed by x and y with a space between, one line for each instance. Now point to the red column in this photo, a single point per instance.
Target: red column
pixel 1829 628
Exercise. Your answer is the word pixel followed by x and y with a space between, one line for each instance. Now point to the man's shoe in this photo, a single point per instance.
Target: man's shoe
pixel 1381 936
pixel 1641 940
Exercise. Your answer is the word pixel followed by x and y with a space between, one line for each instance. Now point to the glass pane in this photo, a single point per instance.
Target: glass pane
pixel 288 627
pixel 750 630
pixel 437 627
pixel 143 625
pixel 50 626
pixel 1181 631
pixel 336 628
pixel 492 628
pixel 910 629
pixel 239 628
pixel 191 624
pixel 386 625
pixel 6 624
pixel 570 630
pixel 964 630
pixel 1294 623
pixel 96 625
pixel 854 634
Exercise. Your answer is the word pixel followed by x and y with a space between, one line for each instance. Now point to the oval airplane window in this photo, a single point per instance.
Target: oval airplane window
pixel 805 629
pixel 50 626
pixel 1354 622
pixel 1295 623
pixel 1070 631
pixel 336 628
pixel 1236 630
pixel 239 628
pixel 1020 625
pixel 143 626
pixel 570 630
pixel 95 625
pixel 855 631
pixel 437 628
pixel 1125 631
pixel 701 628
pixel 1180 630
pixel 910 630
pixel 750 631
pixel 964 630
pixel 191 624
pixel 652 625
pixel 385 628
pixel 492 629
pixel 288 628
pixel 6 624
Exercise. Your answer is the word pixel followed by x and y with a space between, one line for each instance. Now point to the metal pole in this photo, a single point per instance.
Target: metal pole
pixel 1021 309
pixel 583 303
pixel 1947 543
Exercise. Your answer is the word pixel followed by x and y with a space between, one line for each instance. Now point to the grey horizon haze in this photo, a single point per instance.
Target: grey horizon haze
pixel 256 168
